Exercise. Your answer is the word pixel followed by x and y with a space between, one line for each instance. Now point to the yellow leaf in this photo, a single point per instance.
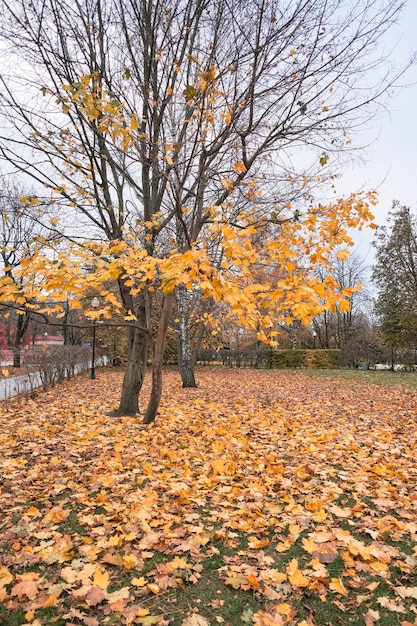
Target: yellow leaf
pixel 343 255
pixel 297 579
pixel 52 600
pixel 154 588
pixel 5 576
pixel 284 609
pixel 338 586
pixel 178 563
pixel 54 221
pixel 138 582
pixel 101 579
pixel 5 371
pixel 141 612
pixel 344 306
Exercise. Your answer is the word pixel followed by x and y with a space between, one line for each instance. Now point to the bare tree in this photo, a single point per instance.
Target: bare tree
pixel 18 230
pixel 151 120
pixel 333 329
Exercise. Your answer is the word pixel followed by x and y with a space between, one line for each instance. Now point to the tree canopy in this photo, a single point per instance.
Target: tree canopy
pixel 168 136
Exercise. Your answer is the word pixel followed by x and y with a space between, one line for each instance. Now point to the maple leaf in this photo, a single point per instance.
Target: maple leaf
pixel 95 596
pixel 101 579
pixel 295 576
pixel 25 589
pixel 119 594
pixel 337 585
pixel 396 607
pixel 263 618
pixel 239 167
pixel 371 617
pixel 5 576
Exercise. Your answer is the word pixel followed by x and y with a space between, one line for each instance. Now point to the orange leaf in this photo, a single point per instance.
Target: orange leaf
pixel 239 167
pixel 253 581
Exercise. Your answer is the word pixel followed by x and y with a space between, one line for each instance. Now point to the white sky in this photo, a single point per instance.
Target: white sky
pixel 390 164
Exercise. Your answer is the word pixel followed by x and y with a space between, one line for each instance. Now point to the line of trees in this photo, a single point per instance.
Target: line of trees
pixel 176 148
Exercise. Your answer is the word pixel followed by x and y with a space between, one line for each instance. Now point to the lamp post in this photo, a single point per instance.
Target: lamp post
pixel 314 334
pixel 95 302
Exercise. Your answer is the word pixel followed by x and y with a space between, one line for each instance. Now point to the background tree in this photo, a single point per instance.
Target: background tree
pixel 336 328
pixel 395 277
pixel 155 122
pixel 19 229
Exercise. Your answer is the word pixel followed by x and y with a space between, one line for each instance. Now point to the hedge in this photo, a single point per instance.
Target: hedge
pixel 319 359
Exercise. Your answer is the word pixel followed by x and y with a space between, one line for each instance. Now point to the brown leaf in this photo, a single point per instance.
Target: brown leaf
pixel 25 589
pixel 195 619
pixel 95 596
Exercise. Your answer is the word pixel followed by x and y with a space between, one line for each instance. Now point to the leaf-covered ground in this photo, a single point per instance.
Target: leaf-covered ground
pixel 262 497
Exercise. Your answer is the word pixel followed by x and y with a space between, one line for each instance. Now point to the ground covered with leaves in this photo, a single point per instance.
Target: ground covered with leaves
pixel 262 497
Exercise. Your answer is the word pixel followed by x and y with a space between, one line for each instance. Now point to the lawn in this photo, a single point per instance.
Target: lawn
pixel 262 497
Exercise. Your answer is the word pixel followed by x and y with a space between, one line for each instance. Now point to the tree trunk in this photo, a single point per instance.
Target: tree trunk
pixel 186 360
pixel 136 366
pixel 21 327
pixel 157 354
pixel 134 375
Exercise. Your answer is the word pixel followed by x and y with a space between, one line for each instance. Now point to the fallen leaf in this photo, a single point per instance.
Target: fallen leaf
pixel 195 619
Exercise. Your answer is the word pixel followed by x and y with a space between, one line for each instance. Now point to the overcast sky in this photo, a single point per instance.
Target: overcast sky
pixel 391 161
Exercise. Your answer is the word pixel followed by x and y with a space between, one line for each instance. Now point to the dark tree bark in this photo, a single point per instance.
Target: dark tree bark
pixel 157 360
pixel 21 328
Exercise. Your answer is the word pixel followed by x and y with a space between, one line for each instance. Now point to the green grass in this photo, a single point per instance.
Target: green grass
pixel 385 378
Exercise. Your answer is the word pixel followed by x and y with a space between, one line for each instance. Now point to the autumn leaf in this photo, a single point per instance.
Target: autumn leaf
pixel 95 596
pixel 101 579
pixel 5 576
pixel 239 167
pixel 343 255
pixel 25 589
pixel 337 585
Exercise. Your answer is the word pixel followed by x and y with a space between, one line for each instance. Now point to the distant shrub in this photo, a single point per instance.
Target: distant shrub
pixel 282 359
pixel 319 359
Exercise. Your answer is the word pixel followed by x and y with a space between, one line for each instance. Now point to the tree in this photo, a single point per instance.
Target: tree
pixel 165 127
pixel 395 277
pixel 334 329
pixel 18 232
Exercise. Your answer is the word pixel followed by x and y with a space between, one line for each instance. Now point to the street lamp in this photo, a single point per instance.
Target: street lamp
pixel 314 334
pixel 95 303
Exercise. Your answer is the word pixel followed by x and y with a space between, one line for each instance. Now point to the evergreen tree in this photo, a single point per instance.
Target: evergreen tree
pixel 395 276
